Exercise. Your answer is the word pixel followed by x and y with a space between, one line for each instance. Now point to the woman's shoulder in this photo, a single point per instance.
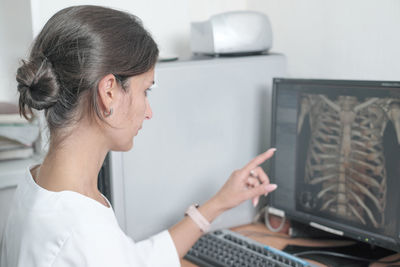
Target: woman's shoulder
pixel 37 210
pixel 66 206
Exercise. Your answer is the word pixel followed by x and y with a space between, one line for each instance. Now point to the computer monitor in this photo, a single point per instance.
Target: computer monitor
pixel 337 163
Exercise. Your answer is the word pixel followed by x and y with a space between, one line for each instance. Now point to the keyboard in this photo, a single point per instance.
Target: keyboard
pixel 227 248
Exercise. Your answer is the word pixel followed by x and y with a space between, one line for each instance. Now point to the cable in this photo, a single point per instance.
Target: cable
pixel 320 252
pixel 272 229
pixel 258 215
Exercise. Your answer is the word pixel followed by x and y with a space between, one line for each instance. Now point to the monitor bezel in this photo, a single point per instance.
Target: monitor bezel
pixel 392 243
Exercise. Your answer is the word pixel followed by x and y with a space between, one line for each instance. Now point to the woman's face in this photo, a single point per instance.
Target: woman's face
pixel 132 109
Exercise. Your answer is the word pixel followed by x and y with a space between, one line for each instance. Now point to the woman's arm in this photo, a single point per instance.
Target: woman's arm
pixel 250 182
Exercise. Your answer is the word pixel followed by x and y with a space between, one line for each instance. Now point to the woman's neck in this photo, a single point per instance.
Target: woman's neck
pixel 74 164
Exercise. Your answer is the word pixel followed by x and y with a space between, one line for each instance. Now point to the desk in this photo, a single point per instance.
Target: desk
pixel 276 241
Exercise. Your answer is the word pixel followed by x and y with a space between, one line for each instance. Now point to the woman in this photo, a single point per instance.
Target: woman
pixel 89 70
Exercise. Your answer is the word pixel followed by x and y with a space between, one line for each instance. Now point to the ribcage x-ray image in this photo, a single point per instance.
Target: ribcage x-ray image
pixel 348 157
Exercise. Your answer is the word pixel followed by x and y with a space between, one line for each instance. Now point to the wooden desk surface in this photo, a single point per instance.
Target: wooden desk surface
pixel 261 234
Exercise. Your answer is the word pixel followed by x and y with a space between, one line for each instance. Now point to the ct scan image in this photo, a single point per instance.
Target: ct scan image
pixel 348 159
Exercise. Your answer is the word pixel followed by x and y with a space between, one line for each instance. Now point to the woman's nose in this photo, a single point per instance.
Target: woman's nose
pixel 148 112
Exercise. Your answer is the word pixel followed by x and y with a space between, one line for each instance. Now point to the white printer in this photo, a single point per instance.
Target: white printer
pixel 238 32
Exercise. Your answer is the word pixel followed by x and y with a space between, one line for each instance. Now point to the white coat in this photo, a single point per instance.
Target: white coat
pixel 61 229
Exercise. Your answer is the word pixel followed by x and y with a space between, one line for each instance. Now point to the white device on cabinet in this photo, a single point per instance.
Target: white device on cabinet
pixel 239 32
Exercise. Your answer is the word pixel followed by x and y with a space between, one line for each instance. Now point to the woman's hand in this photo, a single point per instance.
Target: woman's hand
pixel 247 183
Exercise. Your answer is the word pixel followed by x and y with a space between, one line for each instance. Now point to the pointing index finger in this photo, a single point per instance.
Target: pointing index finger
pixel 259 160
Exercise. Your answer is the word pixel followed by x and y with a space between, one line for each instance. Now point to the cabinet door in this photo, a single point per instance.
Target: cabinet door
pixel 210 117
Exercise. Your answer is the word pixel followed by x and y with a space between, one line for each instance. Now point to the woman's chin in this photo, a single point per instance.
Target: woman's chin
pixel 124 147
pixel 129 146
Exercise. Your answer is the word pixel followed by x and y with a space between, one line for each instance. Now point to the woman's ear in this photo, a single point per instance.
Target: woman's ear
pixel 107 91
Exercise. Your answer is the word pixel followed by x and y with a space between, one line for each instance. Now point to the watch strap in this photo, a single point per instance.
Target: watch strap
pixel 198 218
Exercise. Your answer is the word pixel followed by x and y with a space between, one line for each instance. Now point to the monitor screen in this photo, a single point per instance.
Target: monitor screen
pixel 337 163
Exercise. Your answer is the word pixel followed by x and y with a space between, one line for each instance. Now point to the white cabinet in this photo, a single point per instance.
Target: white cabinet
pixel 210 116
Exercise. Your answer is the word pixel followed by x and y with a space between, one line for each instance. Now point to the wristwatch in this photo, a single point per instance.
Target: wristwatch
pixel 198 218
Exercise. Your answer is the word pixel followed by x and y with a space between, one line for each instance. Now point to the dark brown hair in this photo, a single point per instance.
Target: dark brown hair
pixel 76 48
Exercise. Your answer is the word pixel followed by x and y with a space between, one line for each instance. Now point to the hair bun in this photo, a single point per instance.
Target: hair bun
pixel 37 84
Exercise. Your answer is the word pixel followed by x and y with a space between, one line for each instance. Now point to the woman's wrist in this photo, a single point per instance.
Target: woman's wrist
pixel 211 209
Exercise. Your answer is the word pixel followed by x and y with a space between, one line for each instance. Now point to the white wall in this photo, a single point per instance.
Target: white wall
pixel 341 39
pixel 168 21
pixel 15 38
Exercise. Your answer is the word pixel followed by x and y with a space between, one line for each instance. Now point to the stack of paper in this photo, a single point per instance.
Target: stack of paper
pixel 17 135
